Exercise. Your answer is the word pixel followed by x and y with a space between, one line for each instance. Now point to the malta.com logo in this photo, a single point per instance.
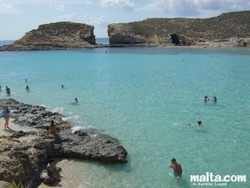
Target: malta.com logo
pixel 209 179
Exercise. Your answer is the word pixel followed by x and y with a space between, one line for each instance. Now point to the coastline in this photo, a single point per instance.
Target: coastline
pixel 15 128
pixel 231 43
pixel 26 146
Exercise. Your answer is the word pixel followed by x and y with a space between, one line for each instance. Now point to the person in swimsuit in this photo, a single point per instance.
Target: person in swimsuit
pixel 199 123
pixel 51 170
pixel 206 99
pixel 7 90
pixel 214 98
pixel 6 115
pixel 52 128
pixel 177 168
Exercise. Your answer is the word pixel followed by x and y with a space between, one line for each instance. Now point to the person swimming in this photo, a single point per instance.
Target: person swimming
pixel 199 123
pixel 7 90
pixel 76 100
pixel 214 98
pixel 27 88
pixel 206 99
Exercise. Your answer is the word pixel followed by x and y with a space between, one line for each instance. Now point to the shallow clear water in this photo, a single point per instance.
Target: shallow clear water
pixel 145 97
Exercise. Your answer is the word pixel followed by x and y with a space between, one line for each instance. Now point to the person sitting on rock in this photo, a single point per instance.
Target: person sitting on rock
pixel 52 171
pixel 52 128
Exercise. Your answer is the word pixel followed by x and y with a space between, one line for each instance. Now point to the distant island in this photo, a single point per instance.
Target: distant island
pixel 227 30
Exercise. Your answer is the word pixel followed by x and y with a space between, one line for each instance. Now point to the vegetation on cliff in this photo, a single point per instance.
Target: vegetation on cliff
pixel 59 35
pixel 190 30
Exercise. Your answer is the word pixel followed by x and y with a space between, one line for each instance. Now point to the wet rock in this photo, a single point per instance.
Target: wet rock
pixel 24 155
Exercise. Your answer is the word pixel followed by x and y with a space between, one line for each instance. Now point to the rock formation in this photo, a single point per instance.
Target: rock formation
pixel 230 29
pixel 56 36
pixel 24 155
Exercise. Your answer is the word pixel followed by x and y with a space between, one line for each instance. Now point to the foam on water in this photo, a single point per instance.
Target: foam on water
pixel 145 97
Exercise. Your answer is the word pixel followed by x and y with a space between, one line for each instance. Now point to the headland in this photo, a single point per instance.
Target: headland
pixel 226 30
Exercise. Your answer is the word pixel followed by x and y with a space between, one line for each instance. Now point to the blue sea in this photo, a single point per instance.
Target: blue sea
pixel 145 97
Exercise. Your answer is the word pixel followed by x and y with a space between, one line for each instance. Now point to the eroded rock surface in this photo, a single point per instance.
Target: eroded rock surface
pixel 24 155
pixel 56 36
pixel 227 30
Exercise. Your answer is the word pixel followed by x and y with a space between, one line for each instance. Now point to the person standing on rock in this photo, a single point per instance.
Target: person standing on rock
pixel 6 115
pixel 52 171
pixel 52 128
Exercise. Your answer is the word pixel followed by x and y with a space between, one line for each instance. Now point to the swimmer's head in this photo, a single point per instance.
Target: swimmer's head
pixel 199 122
pixel 173 160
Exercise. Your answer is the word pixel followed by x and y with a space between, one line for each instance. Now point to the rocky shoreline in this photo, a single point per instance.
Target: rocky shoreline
pixel 24 155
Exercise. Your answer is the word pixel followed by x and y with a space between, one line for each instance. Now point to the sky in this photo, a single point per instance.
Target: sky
pixel 20 16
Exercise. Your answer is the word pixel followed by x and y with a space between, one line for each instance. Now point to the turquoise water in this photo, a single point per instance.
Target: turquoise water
pixel 145 97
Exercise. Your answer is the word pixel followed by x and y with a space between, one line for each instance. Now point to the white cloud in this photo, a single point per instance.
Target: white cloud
pixel 87 19
pixel 196 7
pixel 48 2
pixel 7 8
pixel 120 4
pixel 57 7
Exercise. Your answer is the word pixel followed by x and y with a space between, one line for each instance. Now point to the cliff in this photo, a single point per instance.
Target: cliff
pixel 229 29
pixel 54 36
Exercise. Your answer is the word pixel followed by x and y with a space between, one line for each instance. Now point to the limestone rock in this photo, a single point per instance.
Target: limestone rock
pixel 56 36
pixel 229 29
pixel 121 34
pixel 23 161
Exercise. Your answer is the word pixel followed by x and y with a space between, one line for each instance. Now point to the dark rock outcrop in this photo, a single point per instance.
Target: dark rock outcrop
pixel 229 28
pixel 56 36
pixel 24 155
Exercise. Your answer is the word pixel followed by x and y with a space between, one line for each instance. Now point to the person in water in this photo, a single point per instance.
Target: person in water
pixel 206 99
pixel 214 98
pixel 176 167
pixel 76 100
pixel 7 90
pixel 27 88
pixel 52 170
pixel 6 115
pixel 62 86
pixel 52 127
pixel 199 123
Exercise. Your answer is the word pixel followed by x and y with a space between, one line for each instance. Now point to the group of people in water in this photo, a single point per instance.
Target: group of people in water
pixel 53 171
pixel 27 89
pixel 207 99
pixel 177 166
